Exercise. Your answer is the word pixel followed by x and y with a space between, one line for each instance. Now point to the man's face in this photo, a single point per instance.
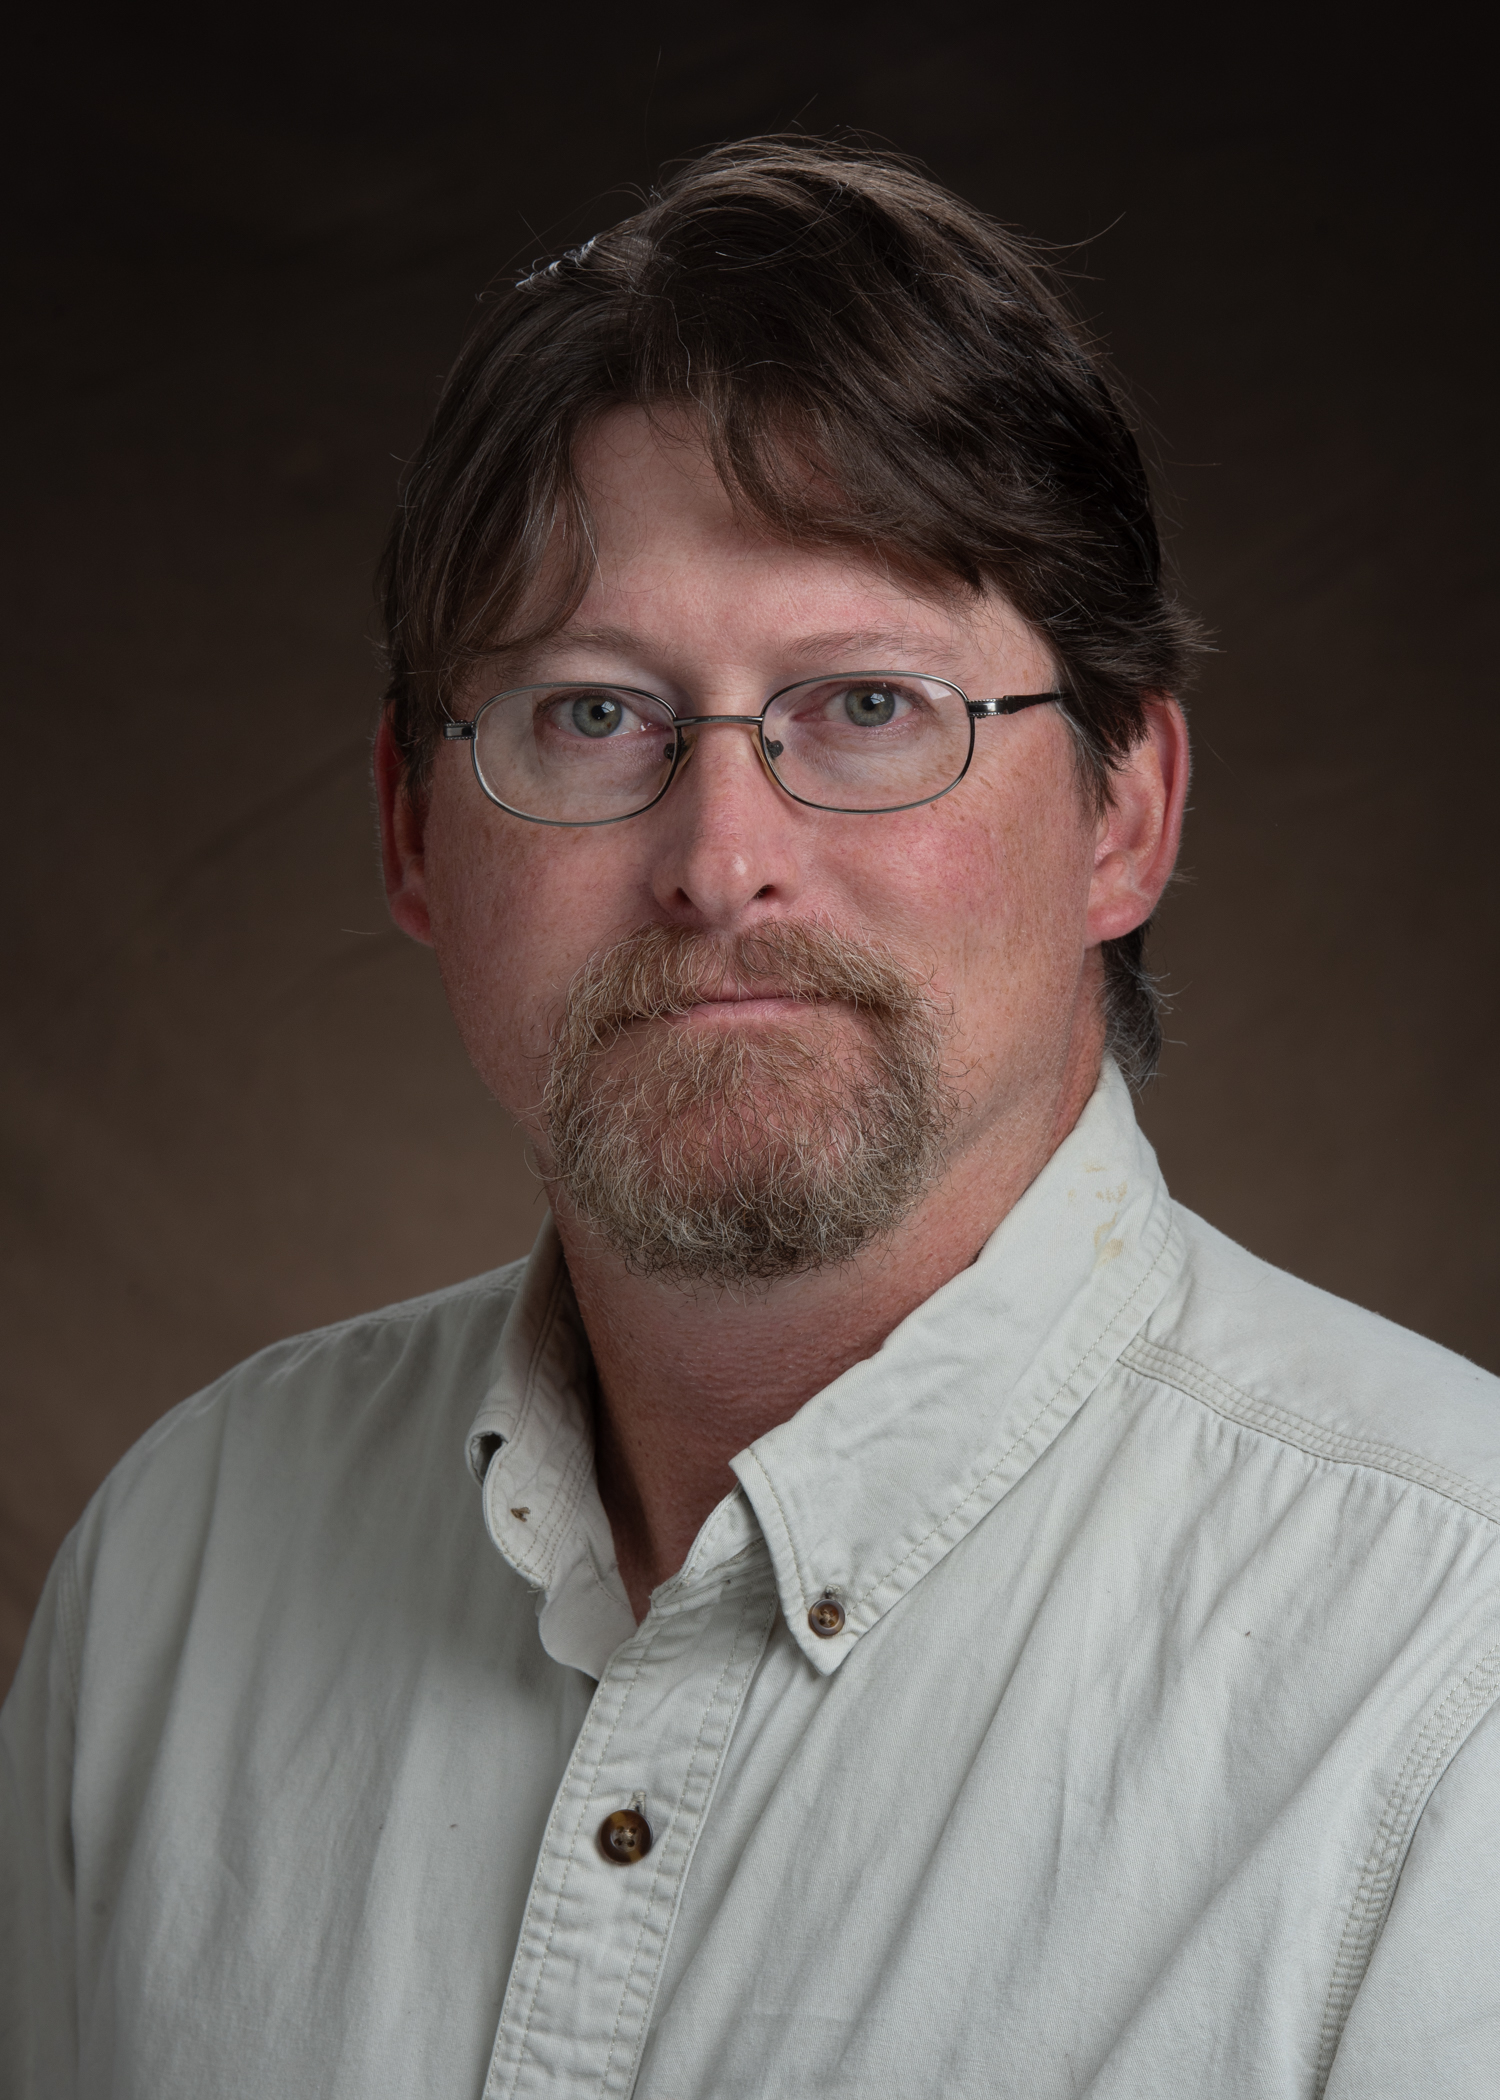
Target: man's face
pixel 989 902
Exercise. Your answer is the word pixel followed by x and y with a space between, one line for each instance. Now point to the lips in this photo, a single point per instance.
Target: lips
pixel 746 994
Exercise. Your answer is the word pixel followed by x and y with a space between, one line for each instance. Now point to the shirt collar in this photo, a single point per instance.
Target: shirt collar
pixel 531 1446
pixel 886 1470
pixel 881 1474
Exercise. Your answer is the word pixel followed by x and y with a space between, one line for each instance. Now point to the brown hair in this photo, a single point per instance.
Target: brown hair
pixel 873 363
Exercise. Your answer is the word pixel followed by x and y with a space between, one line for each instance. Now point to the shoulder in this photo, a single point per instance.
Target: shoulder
pixel 1298 1365
pixel 330 1406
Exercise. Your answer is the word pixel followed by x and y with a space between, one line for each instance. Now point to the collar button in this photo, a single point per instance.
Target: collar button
pixel 826 1617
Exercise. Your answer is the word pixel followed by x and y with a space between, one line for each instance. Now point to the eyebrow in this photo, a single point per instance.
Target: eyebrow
pixel 873 643
pixel 870 643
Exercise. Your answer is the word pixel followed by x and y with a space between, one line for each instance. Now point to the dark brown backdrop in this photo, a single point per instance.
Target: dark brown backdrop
pixel 232 1102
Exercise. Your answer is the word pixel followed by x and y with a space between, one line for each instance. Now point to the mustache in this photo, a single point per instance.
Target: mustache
pixel 659 971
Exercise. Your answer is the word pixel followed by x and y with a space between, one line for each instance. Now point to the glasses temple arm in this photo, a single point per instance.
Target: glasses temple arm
pixel 1011 704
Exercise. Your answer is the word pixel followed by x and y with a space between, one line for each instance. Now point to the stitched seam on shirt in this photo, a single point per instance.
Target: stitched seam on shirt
pixel 688 1600
pixel 712 1702
pixel 1436 1743
pixel 1200 1383
pixel 569 1859
pixel 787 1533
pixel 977 1488
pixel 569 1494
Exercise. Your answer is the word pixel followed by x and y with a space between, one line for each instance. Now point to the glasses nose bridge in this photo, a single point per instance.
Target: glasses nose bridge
pixel 684 722
pixel 687 727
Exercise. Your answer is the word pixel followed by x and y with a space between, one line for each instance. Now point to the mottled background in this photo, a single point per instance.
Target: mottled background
pixel 232 1102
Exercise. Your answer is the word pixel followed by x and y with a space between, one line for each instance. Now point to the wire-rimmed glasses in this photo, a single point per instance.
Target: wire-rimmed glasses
pixel 863 743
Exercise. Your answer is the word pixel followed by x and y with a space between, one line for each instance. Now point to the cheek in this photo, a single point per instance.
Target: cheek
pixel 516 908
pixel 992 895
pixel 994 888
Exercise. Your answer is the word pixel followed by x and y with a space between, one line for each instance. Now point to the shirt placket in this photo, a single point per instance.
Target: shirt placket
pixel 596 1929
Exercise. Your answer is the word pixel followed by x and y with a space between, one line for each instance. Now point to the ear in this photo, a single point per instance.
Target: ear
pixel 402 826
pixel 1140 831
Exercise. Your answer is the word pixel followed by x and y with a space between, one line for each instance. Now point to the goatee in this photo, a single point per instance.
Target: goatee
pixel 743 1155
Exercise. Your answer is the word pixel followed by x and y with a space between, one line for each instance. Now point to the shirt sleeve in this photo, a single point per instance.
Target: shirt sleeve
pixel 38 1985
pixel 1427 2016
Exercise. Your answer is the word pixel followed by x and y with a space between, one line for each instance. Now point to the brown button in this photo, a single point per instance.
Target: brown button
pixel 826 1617
pixel 624 1837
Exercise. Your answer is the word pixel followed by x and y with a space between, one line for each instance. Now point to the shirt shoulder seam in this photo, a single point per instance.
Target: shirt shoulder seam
pixel 1199 1382
pixel 1442 1734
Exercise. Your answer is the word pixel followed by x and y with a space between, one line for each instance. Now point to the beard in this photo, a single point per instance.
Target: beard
pixel 740 1156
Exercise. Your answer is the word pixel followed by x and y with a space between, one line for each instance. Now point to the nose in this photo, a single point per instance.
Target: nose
pixel 729 846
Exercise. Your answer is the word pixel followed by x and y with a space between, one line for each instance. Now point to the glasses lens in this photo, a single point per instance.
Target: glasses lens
pixel 869 740
pixel 574 754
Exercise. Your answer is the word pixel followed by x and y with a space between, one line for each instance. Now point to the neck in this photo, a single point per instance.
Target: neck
pixel 688 1375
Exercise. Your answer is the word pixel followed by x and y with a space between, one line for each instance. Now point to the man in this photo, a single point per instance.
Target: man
pixel 881 1603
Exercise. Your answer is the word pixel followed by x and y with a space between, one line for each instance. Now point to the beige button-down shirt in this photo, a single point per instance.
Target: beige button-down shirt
pixel 1157 1753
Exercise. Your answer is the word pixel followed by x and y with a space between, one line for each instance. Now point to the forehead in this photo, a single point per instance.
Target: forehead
pixel 641 469
pixel 676 555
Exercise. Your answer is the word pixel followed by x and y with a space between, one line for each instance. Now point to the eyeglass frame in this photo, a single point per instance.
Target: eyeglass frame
pixel 467 731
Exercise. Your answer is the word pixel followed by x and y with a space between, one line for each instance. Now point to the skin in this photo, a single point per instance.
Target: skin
pixel 998 896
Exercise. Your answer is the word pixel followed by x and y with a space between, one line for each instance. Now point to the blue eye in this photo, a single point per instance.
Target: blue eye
pixel 596 715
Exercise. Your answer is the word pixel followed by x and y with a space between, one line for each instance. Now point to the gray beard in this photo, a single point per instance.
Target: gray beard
pixel 739 1158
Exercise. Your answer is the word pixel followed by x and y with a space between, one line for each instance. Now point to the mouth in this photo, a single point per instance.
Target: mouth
pixel 729 1003
pixel 803 986
pixel 736 1008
